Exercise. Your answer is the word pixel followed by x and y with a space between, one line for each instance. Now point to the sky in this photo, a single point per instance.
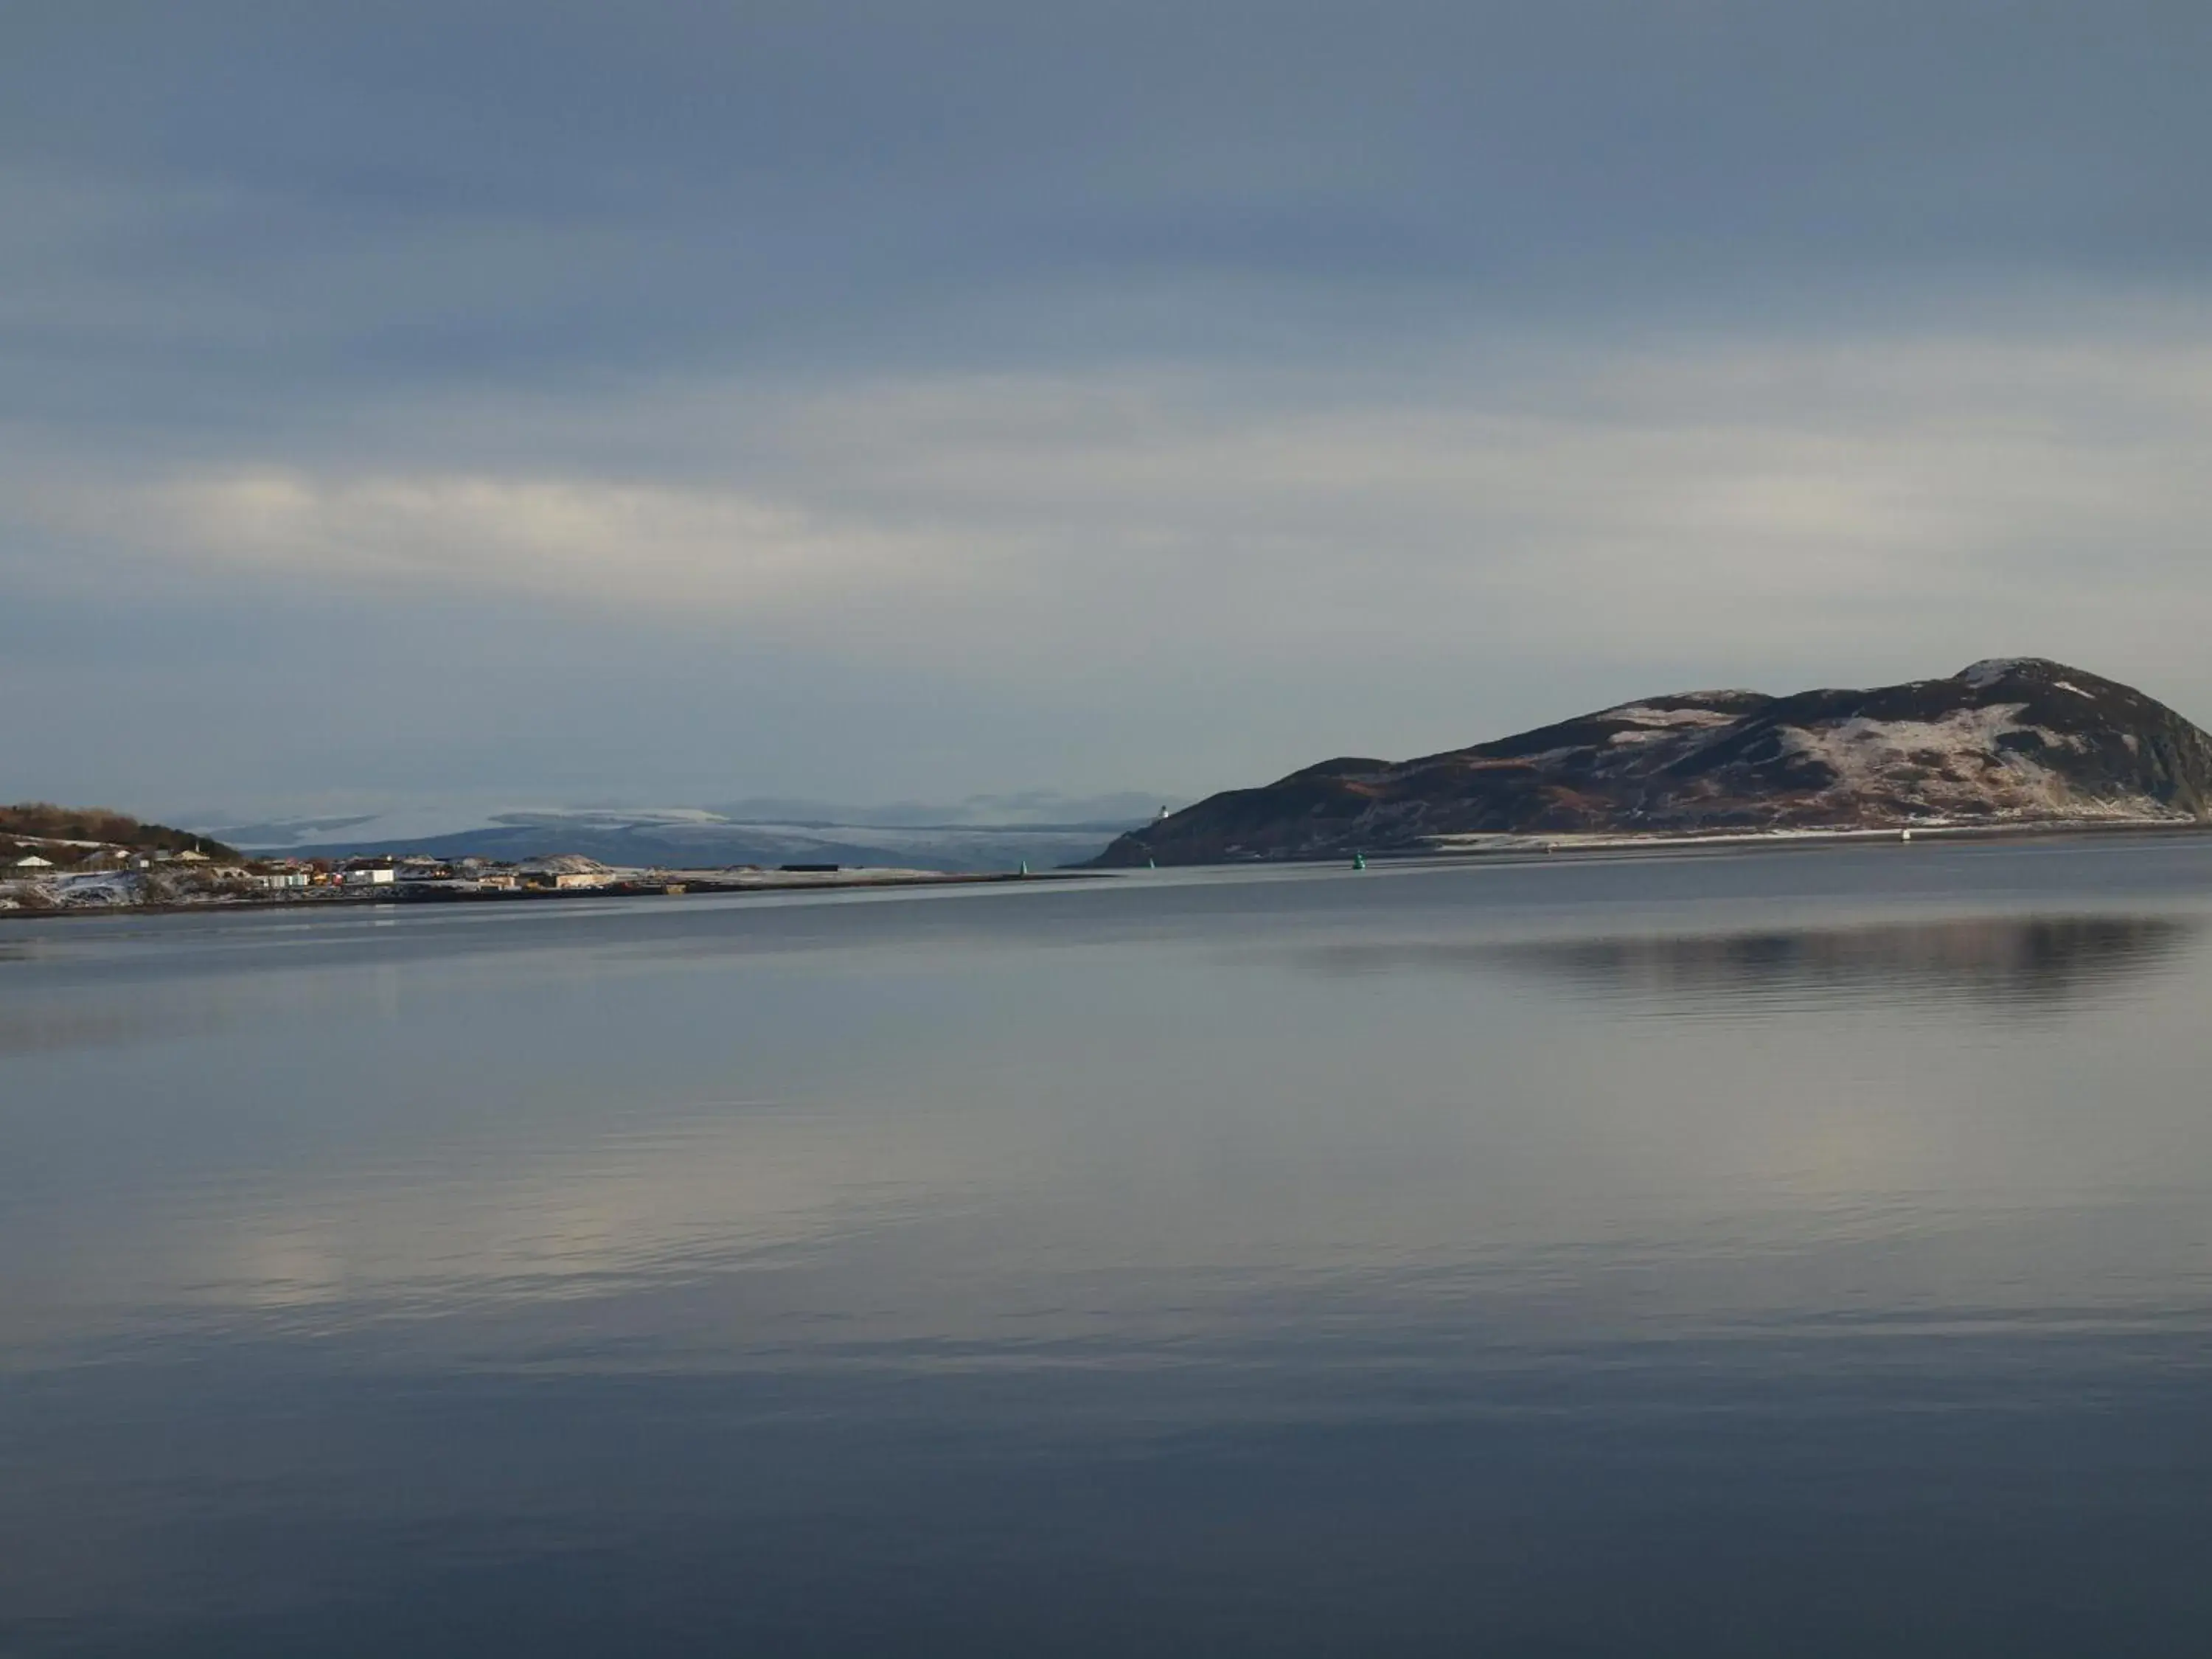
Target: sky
pixel 674 403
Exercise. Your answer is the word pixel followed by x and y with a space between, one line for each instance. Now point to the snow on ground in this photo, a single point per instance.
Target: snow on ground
pixel 356 821
pixel 1661 719
pixel 66 891
pixel 1988 671
pixel 1603 840
pixel 1651 724
pixel 1947 763
pixel 1860 749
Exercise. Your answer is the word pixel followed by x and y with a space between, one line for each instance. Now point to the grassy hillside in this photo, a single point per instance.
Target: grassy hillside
pixel 43 822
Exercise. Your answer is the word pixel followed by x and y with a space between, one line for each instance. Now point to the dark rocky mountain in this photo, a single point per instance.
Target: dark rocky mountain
pixel 2013 740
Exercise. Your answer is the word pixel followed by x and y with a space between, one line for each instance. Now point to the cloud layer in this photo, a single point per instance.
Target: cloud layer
pixel 850 400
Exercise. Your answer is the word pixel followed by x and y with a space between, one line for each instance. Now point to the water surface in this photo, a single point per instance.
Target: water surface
pixel 1801 1252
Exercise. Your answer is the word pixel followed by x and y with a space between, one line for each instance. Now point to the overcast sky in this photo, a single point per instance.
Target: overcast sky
pixel 670 403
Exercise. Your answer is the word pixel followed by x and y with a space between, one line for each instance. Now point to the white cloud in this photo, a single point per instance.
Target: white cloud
pixel 1897 503
pixel 635 544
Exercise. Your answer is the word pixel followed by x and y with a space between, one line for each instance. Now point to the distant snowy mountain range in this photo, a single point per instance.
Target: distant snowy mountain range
pixel 982 833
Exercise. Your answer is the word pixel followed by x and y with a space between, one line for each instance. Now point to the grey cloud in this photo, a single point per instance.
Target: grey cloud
pixel 1126 394
pixel 456 190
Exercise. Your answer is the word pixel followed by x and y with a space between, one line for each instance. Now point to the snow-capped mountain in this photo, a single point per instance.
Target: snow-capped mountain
pixel 959 837
pixel 2011 740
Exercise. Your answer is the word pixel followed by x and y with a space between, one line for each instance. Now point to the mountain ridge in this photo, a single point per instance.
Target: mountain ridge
pixel 2006 740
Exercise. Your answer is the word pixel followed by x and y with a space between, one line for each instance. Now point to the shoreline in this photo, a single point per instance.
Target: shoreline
pixel 1450 850
pixel 677 885
pixel 1618 841
pixel 1473 849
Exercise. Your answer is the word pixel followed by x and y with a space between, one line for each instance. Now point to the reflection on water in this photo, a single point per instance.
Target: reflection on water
pixel 2029 966
pixel 25 1029
pixel 1269 1264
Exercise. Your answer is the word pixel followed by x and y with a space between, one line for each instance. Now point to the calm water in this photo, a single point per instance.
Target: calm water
pixel 1803 1253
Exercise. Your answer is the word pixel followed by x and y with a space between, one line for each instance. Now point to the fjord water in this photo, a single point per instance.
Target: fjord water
pixel 1803 1252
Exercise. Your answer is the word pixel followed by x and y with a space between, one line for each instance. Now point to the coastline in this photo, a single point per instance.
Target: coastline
pixel 1443 850
pixel 1449 849
pixel 1452 847
pixel 662 885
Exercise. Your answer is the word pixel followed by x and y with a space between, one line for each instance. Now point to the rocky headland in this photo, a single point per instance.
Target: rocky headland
pixel 2009 742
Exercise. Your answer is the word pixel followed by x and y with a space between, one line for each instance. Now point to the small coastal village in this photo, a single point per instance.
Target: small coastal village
pixel 118 863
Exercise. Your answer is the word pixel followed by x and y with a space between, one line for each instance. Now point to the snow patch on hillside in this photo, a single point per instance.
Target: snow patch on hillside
pixel 1659 719
pixel 1651 724
pixel 1987 672
pixel 1954 764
